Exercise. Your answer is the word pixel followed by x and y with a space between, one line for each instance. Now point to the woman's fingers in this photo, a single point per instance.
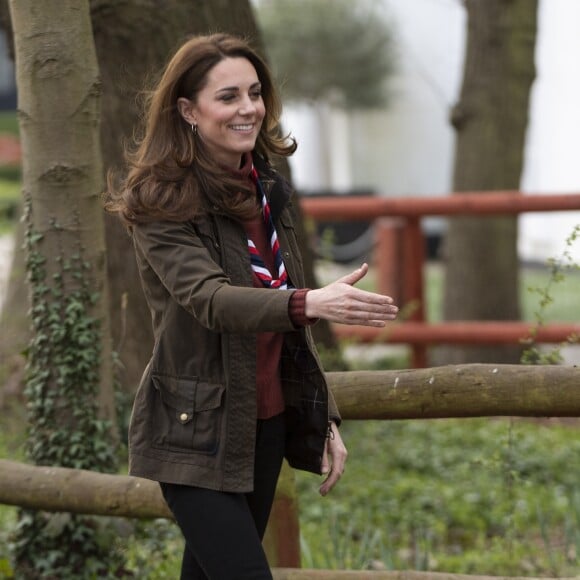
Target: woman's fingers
pixel 341 302
pixel 344 309
pixel 355 276
pixel 360 307
pixel 336 453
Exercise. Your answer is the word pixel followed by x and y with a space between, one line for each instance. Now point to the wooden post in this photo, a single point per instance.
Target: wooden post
pixel 388 257
pixel 282 539
pixel 413 262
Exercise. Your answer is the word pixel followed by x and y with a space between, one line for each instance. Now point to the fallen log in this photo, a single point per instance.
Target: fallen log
pixel 58 489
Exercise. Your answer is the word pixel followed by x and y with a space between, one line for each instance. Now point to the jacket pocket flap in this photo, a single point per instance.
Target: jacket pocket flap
pixel 208 396
pixel 188 395
pixel 177 393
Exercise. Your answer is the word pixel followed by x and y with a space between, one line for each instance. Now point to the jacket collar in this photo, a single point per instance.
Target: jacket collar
pixel 277 189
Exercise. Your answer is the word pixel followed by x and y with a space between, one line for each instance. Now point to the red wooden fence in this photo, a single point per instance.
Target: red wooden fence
pixel 400 261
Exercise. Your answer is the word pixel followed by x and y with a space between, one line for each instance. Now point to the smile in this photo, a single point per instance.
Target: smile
pixel 248 127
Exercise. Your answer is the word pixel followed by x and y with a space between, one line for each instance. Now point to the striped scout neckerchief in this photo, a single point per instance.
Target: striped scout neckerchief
pixel 258 265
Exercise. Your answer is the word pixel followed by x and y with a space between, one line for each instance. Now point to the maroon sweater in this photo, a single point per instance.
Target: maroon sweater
pixel 270 400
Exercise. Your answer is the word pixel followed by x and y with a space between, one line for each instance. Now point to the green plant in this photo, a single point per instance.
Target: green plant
pixel 154 550
pixel 557 274
pixel 64 425
pixel 455 496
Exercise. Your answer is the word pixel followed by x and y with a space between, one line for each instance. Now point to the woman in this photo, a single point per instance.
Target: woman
pixel 234 383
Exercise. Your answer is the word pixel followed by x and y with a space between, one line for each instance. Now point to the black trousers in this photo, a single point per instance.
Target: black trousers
pixel 223 531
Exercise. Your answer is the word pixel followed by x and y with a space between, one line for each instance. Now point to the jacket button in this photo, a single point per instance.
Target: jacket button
pixel 286 254
pixel 183 417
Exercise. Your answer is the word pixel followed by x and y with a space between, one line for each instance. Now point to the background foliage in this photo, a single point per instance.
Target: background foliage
pixel 329 50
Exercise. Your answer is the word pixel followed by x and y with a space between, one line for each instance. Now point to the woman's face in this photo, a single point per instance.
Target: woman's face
pixel 228 111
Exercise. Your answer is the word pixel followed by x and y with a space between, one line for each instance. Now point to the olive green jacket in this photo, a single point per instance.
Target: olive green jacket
pixel 194 415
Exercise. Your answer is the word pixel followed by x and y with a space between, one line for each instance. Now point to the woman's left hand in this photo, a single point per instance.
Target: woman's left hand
pixel 333 459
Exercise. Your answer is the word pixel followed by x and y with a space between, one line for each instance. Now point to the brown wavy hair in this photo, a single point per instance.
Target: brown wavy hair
pixel 171 175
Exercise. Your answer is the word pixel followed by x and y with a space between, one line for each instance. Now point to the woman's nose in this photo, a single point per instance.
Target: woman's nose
pixel 247 107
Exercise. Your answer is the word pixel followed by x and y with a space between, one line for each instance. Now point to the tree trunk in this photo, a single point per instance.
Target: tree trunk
pixel 126 63
pixel 490 120
pixel 58 107
pixel 69 383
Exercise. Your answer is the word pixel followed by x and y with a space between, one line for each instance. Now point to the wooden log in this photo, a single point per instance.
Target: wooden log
pixel 79 491
pixel 474 390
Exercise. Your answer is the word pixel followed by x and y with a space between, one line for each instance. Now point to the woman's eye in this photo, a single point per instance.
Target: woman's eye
pixel 227 98
pixel 256 95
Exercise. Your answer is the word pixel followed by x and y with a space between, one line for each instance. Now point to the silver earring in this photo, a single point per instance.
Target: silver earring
pixel 194 129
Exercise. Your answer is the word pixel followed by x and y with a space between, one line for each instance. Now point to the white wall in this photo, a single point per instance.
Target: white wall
pixel 407 150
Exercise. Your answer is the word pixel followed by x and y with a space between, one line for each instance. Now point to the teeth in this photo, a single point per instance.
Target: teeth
pixel 242 127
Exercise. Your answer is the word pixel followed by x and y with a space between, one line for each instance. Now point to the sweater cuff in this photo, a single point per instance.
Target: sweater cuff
pixel 297 307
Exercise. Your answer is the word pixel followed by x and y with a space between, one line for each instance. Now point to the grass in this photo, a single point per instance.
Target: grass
pixel 474 496
pixel 483 496
pixel 564 308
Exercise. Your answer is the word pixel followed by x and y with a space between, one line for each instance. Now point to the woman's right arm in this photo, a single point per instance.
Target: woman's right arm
pixel 184 266
pixel 341 302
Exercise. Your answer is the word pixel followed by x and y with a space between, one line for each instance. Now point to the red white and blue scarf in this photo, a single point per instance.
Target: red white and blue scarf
pixel 258 265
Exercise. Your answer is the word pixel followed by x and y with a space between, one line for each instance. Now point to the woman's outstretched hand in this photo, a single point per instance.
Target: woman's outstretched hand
pixel 341 302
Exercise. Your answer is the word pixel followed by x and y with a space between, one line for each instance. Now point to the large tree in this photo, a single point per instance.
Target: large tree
pixel 69 383
pixel 490 121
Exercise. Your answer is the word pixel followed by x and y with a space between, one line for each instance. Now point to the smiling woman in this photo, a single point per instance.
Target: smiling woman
pixel 234 384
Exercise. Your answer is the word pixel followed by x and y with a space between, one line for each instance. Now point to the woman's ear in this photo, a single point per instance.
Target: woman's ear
pixel 185 108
